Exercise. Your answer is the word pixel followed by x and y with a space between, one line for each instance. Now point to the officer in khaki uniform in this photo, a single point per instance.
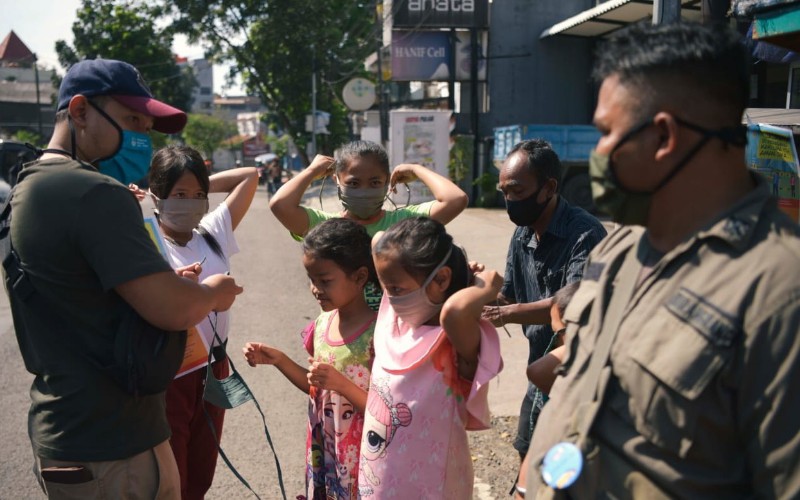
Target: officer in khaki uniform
pixel 682 377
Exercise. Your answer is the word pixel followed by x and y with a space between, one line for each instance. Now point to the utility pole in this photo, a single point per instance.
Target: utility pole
pixel 382 101
pixel 313 102
pixel 666 11
pixel 474 106
pixel 38 98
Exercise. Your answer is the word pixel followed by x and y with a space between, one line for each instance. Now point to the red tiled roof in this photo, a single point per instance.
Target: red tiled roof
pixel 14 50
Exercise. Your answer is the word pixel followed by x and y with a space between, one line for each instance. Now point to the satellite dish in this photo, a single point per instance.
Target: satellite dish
pixel 359 94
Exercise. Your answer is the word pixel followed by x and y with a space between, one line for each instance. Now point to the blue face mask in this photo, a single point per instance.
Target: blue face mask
pixel 132 160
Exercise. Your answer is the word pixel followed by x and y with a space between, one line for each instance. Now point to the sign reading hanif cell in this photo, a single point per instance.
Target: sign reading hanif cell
pixel 420 55
pixel 440 14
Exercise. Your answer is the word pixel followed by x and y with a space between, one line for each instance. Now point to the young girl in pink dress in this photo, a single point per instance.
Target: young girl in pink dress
pixel 336 255
pixel 434 360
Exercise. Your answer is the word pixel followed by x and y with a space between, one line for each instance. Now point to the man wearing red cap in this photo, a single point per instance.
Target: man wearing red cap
pixel 80 240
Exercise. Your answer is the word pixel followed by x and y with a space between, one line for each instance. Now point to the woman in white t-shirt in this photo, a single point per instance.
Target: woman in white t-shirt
pixel 179 183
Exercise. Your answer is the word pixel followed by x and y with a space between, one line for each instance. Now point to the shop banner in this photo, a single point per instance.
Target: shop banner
pixel 772 153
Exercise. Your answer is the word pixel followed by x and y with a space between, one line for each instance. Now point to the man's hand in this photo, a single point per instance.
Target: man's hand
pixel 224 289
pixel 493 314
pixel 256 353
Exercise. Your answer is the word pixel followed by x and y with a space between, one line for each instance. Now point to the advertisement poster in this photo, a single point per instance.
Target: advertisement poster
pixel 772 153
pixel 421 137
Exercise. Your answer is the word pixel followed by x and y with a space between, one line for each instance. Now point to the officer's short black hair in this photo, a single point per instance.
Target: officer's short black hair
pixel 543 162
pixel 709 61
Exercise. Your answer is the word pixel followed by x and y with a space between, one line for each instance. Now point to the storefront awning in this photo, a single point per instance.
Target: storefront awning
pixel 774 21
pixel 773 116
pixel 614 14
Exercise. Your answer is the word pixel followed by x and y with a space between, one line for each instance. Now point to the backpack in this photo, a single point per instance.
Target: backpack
pixel 145 358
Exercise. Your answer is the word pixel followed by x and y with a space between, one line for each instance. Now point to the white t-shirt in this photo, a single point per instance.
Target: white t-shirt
pixel 218 224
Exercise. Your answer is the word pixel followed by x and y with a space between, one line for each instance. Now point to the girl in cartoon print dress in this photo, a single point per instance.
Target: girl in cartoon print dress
pixel 434 359
pixel 336 255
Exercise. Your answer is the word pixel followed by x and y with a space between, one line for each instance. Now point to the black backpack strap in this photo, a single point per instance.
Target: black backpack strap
pixel 18 281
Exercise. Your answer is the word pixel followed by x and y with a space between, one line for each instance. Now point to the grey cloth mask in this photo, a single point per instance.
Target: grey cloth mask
pixel 363 202
pixel 415 308
pixel 180 214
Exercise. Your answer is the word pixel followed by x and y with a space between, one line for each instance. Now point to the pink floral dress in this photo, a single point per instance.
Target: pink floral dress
pixel 334 425
pixel 414 442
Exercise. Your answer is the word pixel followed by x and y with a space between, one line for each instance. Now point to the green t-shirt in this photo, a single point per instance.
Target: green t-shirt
pixel 372 293
pixel 79 234
pixel 389 219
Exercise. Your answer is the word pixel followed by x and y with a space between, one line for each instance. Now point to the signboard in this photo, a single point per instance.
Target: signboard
pixel 425 55
pixel 420 55
pixel 358 94
pixel 463 54
pixel 771 152
pixel 421 137
pixel 416 14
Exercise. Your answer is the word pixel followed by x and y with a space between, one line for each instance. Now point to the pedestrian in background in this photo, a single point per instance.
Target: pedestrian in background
pixel 337 258
pixel 180 184
pixel 86 263
pixel 547 252
pixel 683 363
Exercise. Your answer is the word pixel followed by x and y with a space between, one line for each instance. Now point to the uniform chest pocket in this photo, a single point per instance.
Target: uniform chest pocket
pixel 679 353
pixel 577 313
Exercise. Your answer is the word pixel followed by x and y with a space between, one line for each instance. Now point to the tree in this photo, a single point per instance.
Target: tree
pixel 206 133
pixel 126 30
pixel 274 44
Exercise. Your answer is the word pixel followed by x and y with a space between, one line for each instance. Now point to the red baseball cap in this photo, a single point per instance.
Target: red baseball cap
pixel 122 82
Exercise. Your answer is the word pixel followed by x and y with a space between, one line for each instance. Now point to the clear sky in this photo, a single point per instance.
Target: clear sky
pixel 39 23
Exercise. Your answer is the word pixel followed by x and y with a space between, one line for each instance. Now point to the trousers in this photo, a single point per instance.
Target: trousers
pixel 192 441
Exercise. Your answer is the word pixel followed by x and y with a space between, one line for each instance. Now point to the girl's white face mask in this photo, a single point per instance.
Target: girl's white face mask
pixel 415 308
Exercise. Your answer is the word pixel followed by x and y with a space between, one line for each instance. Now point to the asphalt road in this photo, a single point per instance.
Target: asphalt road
pixel 274 308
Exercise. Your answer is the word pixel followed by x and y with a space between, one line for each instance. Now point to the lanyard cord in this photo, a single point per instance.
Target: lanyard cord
pixel 258 407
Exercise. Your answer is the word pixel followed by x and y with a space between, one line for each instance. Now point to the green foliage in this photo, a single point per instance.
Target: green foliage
pixel 207 133
pixel 273 45
pixel 280 145
pixel 460 163
pixel 487 182
pixel 126 30
pixel 26 136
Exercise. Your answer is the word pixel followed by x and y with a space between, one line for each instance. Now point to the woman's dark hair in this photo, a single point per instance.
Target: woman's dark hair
pixel 168 165
pixel 343 241
pixel 361 149
pixel 421 244
pixel 563 296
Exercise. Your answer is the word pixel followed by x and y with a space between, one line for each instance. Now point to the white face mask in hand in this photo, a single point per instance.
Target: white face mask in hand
pixel 415 308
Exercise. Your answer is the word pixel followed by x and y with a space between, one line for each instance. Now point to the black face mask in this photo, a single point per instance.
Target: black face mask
pixel 527 211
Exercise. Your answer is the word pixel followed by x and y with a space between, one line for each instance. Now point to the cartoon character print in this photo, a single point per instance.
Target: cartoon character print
pixel 342 427
pixel 383 420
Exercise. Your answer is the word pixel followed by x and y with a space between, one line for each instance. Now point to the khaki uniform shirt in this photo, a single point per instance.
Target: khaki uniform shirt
pixel 703 377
